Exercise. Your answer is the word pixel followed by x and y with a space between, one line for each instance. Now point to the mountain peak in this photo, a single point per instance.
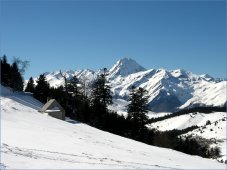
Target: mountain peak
pixel 126 60
pixel 124 67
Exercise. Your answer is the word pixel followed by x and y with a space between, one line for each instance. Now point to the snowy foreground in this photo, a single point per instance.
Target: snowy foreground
pixel 31 140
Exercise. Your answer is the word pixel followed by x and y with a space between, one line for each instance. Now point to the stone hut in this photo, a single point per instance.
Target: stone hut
pixel 54 109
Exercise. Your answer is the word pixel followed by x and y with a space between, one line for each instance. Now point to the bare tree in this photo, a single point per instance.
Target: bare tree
pixel 65 80
pixel 22 65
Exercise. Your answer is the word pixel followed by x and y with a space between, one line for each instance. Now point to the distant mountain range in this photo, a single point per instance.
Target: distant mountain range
pixel 168 90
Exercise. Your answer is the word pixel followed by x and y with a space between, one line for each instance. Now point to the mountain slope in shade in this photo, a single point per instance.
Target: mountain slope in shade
pixel 168 90
pixel 32 140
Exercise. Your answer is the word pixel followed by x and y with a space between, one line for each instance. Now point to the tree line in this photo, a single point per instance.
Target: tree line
pixel 93 109
pixel 11 75
pixel 201 109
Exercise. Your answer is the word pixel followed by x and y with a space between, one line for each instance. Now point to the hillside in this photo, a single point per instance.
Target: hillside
pixel 215 133
pixel 168 90
pixel 216 130
pixel 30 139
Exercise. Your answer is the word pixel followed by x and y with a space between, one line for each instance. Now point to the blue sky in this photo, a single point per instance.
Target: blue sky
pixel 74 34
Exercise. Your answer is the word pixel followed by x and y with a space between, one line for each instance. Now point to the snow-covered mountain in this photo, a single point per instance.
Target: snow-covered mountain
pixel 31 140
pixel 125 67
pixel 168 90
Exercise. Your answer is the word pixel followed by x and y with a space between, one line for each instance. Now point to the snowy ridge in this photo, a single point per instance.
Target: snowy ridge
pixel 168 91
pixel 125 67
pixel 216 130
pixel 188 120
pixel 59 144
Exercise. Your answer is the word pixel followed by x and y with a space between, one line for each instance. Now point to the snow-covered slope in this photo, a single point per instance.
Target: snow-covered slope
pixel 31 140
pixel 188 120
pixel 216 130
pixel 168 90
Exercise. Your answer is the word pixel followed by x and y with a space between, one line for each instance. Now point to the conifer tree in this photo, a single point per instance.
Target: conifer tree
pixel 5 71
pixel 73 86
pixel 137 108
pixel 100 99
pixel 42 89
pixel 75 97
pixel 16 80
pixel 30 86
pixel 101 95
pixel 11 75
